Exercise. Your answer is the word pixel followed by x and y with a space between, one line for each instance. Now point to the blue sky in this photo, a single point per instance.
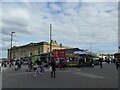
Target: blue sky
pixel 75 24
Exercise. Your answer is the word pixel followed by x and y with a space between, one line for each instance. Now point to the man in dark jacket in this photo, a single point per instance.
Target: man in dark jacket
pixel 53 69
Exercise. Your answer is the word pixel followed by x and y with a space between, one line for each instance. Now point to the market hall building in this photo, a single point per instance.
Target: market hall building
pixel 41 48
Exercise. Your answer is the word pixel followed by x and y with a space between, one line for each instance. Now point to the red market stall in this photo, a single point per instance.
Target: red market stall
pixel 59 56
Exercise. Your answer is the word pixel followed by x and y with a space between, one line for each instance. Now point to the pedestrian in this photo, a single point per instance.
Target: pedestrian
pixel 0 66
pixel 79 63
pixel 38 63
pixel 108 60
pixel 16 65
pixel 41 67
pixel 30 66
pixel 83 62
pixel 35 69
pixel 10 64
pixel 19 64
pixel 100 62
pixel 53 69
pixel 61 64
pixel 113 60
pixel 117 64
pixel 91 62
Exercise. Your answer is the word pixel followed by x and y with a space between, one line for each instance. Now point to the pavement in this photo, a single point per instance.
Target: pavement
pixel 85 77
pixel 4 68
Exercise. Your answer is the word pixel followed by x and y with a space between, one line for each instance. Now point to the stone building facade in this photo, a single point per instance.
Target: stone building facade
pixel 33 49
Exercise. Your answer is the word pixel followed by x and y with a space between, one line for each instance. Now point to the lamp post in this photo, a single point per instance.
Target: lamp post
pixel 11 47
pixel 91 47
pixel 39 52
pixel 61 48
pixel 91 50
pixel 50 41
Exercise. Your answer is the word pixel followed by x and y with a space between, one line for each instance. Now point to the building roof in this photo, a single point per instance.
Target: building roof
pixel 31 44
pixel 54 43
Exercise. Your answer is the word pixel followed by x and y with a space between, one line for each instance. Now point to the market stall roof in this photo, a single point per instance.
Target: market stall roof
pixel 80 52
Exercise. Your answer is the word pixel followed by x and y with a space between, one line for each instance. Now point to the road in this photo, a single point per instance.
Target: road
pixel 106 77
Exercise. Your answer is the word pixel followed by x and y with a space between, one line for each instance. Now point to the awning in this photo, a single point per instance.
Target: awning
pixel 79 52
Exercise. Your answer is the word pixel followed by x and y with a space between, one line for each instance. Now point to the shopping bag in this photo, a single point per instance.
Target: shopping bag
pixel 50 68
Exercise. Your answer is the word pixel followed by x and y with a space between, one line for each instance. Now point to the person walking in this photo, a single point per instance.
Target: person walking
pixel 41 67
pixel 100 61
pixel 91 62
pixel 30 66
pixel 61 64
pixel 16 65
pixel 53 67
pixel 117 64
pixel 10 64
pixel 38 63
pixel 19 65
pixel 35 69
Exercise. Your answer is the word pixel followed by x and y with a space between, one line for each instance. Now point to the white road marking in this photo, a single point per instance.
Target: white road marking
pixel 4 68
pixel 18 73
pixel 66 70
pixel 89 75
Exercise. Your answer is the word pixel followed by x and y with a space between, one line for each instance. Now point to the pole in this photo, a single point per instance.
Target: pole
pixel 50 41
pixel 39 52
pixel 19 50
pixel 91 47
pixel 11 47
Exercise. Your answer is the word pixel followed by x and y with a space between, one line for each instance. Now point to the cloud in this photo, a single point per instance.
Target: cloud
pixel 72 23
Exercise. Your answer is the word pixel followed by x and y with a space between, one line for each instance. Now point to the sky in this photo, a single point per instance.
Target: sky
pixel 85 25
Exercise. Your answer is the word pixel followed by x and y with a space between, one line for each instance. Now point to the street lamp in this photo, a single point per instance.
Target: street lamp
pixel 11 47
pixel 50 41
pixel 39 52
